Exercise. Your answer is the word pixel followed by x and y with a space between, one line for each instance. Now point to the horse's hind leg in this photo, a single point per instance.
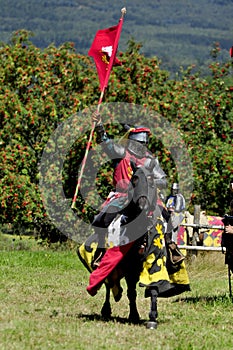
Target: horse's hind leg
pixel 152 323
pixel 106 308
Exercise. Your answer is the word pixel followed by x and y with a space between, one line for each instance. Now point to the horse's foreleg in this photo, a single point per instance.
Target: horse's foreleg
pixel 132 296
pixel 106 308
pixel 153 314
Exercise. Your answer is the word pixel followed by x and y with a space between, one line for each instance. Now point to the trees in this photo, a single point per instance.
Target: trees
pixel 40 89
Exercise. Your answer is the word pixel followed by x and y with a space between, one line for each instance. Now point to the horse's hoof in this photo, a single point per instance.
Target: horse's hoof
pixel 151 325
pixel 106 312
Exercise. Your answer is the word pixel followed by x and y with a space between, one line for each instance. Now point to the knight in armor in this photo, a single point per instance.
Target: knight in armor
pixel 175 201
pixel 93 253
pixel 175 204
pixel 123 155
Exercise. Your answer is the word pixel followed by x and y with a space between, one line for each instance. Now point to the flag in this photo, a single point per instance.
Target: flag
pixel 103 50
pixel 231 51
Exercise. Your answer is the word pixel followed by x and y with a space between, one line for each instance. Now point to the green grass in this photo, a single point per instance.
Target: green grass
pixel 44 305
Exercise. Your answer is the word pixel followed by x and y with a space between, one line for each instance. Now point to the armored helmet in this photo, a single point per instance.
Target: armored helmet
pixel 138 140
pixel 140 134
pixel 175 186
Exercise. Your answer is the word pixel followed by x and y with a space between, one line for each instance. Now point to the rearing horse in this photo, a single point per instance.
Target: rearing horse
pixel 139 254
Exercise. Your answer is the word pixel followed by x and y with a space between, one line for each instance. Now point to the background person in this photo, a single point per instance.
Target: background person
pixel 229 228
pixel 175 204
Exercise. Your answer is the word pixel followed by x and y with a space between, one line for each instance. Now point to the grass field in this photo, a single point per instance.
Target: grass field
pixel 44 305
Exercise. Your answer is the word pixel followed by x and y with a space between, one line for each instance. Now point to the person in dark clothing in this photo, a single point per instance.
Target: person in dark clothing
pixel 229 227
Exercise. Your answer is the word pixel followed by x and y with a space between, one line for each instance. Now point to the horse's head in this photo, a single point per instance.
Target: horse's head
pixel 143 191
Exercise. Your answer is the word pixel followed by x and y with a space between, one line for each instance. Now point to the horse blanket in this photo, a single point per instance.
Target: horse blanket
pixel 157 271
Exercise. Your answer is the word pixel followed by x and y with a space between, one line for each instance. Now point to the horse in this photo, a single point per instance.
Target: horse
pixel 139 254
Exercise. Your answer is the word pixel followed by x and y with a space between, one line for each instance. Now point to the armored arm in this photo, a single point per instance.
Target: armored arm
pixel 112 149
pixel 101 133
pixel 160 177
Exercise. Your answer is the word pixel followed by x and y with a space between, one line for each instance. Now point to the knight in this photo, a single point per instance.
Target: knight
pixel 134 151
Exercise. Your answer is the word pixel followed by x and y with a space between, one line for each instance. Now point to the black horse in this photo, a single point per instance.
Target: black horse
pixel 141 226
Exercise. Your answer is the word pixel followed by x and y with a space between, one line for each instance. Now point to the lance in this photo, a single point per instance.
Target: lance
pixel 104 86
pixel 217 227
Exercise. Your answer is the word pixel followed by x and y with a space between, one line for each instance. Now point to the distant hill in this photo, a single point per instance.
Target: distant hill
pixel 179 32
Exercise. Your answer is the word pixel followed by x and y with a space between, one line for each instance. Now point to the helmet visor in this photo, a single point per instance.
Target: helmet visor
pixel 141 137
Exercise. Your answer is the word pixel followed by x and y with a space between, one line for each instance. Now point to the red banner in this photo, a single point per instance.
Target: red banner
pixel 103 50
pixel 231 51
